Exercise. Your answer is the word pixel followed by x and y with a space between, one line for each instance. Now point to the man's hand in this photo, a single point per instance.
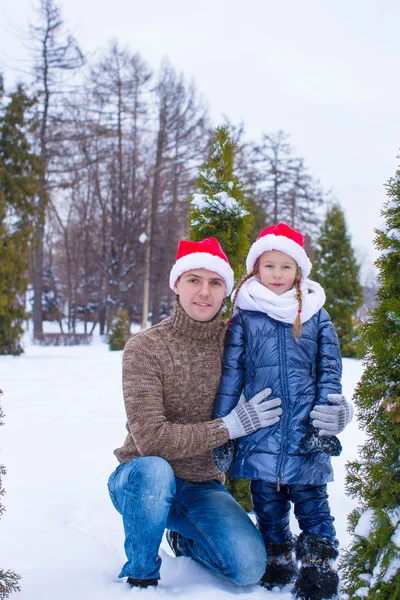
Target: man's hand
pixel 332 419
pixel 250 416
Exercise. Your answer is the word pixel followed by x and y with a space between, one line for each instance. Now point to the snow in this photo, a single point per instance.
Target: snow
pixel 364 525
pixel 394 516
pixel 377 572
pixel 396 536
pixel 60 532
pixel 394 234
pixel 394 564
pixel 365 577
pixel 392 570
pixel 218 203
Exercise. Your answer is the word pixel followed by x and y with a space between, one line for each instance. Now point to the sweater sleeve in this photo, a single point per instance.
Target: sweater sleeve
pixel 232 378
pixel 329 360
pixel 153 434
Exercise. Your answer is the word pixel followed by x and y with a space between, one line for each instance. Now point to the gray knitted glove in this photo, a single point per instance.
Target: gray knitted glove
pixel 332 419
pixel 250 416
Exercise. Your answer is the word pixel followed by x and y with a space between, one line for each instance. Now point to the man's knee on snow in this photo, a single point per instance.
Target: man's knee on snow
pixel 153 475
pixel 247 568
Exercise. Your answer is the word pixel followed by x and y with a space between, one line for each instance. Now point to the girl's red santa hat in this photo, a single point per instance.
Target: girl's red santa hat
pixel 285 239
pixel 206 254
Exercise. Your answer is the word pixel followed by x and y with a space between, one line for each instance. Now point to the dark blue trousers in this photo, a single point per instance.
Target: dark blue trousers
pixel 272 510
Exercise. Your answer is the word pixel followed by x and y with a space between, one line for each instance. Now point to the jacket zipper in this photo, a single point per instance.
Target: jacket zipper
pixel 282 354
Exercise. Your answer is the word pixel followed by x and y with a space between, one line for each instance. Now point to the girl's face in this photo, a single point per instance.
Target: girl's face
pixel 277 271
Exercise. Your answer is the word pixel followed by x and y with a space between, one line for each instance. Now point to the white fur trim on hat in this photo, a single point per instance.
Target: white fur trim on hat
pixel 202 260
pixel 283 244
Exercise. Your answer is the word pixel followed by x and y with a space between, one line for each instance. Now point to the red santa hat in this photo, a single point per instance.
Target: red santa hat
pixel 206 254
pixel 285 239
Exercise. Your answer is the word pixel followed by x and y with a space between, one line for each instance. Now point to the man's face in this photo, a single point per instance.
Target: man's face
pixel 201 293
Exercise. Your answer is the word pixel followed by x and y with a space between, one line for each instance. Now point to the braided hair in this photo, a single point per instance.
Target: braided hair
pixel 297 328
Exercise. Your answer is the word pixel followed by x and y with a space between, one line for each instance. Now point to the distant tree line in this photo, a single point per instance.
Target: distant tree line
pixel 119 149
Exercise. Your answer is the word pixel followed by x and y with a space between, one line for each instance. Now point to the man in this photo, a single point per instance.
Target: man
pixel 167 477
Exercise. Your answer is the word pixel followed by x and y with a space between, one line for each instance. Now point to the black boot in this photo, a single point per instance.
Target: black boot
pixel 281 566
pixel 142 583
pixel 172 539
pixel 317 578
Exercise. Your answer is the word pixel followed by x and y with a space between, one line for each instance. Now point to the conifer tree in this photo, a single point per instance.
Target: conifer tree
pixel 19 184
pixel 336 269
pixel 220 211
pixel 120 331
pixel 219 208
pixel 371 564
pixel 8 579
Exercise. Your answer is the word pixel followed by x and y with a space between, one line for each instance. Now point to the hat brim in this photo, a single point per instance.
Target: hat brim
pixel 203 260
pixel 283 244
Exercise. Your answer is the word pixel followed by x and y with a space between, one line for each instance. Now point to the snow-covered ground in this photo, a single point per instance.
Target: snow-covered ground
pixel 64 416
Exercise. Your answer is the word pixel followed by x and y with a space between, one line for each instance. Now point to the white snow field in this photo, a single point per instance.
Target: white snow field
pixel 60 532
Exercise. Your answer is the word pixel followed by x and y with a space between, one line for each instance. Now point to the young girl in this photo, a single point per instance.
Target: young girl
pixel 282 338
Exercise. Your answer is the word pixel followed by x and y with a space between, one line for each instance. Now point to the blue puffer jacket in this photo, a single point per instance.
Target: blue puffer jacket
pixel 261 352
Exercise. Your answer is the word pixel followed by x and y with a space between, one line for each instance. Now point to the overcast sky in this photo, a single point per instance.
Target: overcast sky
pixel 324 71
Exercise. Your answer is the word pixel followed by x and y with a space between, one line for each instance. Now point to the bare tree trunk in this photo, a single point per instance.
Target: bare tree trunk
pixel 155 197
pixel 38 282
pixel 54 53
pixel 146 282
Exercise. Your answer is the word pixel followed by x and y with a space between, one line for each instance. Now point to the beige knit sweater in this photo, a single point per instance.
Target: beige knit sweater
pixel 170 377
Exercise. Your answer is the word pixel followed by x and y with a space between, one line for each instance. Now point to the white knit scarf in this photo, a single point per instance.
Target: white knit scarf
pixel 255 296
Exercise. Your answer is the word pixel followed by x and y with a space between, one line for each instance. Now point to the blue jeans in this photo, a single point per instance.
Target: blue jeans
pixel 272 510
pixel 216 531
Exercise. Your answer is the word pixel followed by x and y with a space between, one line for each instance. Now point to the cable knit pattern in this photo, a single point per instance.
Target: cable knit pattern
pixel 170 378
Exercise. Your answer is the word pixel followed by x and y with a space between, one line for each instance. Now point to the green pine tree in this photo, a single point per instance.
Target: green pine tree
pixel 372 562
pixel 120 331
pixel 8 579
pixel 219 210
pixel 336 269
pixel 219 207
pixel 19 185
pixel 240 490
